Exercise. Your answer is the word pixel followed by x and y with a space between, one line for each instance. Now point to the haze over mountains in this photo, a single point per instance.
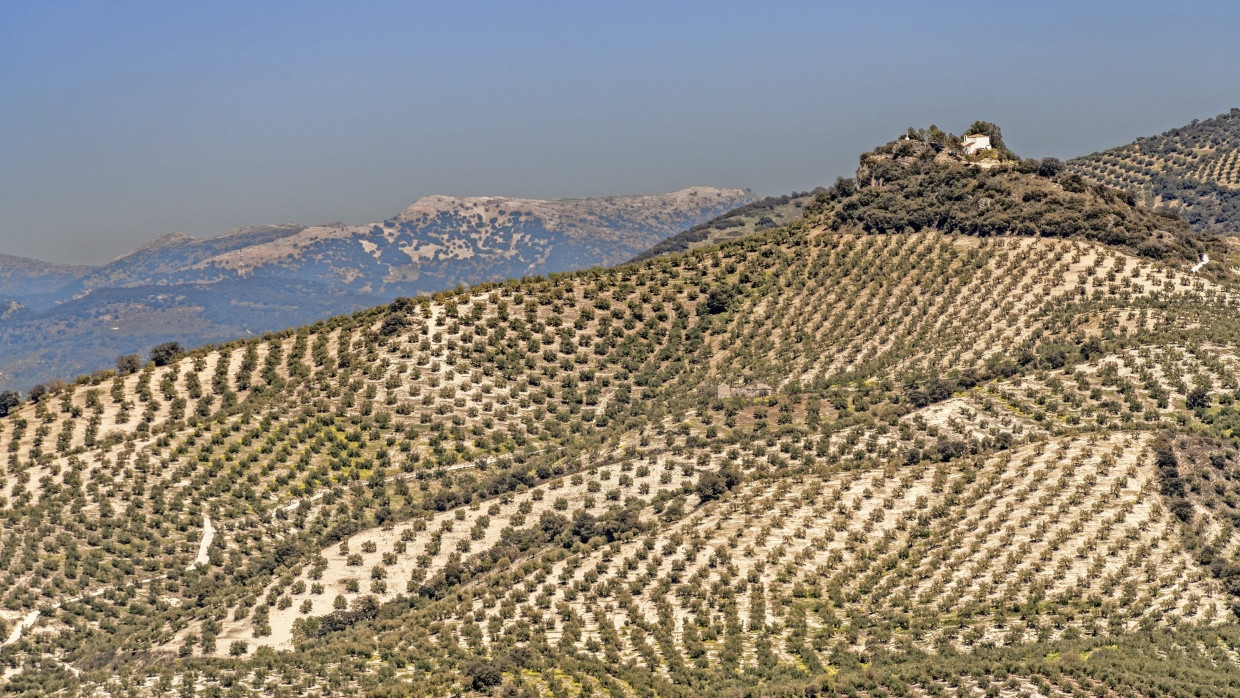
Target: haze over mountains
pixel 929 413
pixel 977 438
pixel 57 321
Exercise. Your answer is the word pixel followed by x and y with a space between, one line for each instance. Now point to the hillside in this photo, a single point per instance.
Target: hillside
pixel 1193 170
pixel 922 182
pixel 764 214
pixel 978 444
pixel 74 320
pixel 37 283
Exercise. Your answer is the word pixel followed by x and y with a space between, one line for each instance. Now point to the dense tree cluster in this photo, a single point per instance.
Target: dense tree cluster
pixel 909 184
pixel 164 353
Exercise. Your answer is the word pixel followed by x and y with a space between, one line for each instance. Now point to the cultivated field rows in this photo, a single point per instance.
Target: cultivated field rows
pixel 824 555
pixel 525 464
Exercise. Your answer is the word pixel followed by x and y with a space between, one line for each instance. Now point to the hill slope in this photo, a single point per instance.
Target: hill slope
pixel 944 464
pixel 253 280
pixel 764 214
pixel 1193 170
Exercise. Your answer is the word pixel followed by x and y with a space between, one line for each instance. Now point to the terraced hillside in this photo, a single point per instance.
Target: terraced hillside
pixel 1193 170
pixel 944 464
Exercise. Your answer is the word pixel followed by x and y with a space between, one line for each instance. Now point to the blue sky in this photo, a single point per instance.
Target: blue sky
pixel 122 121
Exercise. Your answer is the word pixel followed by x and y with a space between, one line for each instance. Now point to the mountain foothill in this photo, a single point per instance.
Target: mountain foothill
pixel 962 424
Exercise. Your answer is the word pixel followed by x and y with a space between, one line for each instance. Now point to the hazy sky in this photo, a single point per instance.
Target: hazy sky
pixel 122 121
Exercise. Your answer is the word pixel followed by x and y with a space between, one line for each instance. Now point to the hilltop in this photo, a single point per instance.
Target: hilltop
pixel 1193 171
pixel 923 181
pixel 922 196
pixel 66 320
pixel 976 440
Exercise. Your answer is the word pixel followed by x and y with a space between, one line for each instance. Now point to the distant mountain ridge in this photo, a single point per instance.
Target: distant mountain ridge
pixel 62 320
pixel 479 237
pixel 1193 170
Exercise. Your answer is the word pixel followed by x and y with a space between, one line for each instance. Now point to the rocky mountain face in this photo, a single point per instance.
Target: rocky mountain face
pixel 964 428
pixel 57 321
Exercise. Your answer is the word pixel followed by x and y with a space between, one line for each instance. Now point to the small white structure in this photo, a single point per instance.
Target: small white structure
pixel 975 143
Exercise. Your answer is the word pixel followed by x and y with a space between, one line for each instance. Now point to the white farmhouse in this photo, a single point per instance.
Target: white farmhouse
pixel 976 143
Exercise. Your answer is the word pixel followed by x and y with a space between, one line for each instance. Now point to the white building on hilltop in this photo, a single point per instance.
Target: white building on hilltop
pixel 975 143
